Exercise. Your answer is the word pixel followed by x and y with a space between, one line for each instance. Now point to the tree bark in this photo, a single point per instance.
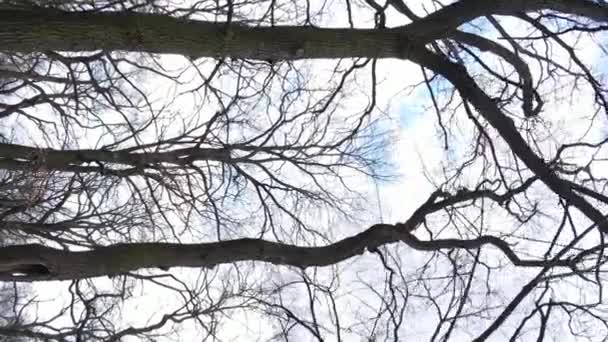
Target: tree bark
pixel 42 29
pixel 24 31
pixel 19 157
pixel 54 264
pixel 36 262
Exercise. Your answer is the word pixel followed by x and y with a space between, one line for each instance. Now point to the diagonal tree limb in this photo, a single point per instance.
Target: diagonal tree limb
pixel 470 91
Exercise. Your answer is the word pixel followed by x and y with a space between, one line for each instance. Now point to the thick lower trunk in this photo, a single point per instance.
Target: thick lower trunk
pixel 122 258
pixel 29 31
pixel 37 262
pixel 24 31
pixel 41 30
pixel 14 156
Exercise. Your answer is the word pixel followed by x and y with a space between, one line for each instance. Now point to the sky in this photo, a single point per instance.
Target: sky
pixel 416 144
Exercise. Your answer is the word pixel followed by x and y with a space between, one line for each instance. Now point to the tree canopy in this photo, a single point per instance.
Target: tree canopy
pixel 303 170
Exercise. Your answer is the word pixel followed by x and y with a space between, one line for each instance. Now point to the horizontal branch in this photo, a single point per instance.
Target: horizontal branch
pixel 30 75
pixel 16 157
pixel 36 262
pixel 25 31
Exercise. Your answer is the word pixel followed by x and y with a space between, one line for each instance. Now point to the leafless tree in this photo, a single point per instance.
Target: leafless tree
pixel 202 152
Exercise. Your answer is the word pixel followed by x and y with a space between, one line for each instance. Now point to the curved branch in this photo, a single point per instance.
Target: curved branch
pixel 440 23
pixel 521 67
pixel 122 258
pixel 470 91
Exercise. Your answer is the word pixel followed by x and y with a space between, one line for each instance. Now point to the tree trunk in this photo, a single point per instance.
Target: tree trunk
pixel 36 262
pixel 42 30
pixel 19 157
pixel 24 31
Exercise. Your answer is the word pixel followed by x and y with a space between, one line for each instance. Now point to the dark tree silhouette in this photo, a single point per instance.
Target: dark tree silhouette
pixel 212 154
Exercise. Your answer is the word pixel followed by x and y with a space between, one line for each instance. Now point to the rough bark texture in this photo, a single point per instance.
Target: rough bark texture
pixel 40 30
pixel 45 263
pixel 25 31
pixel 17 157
pixel 36 262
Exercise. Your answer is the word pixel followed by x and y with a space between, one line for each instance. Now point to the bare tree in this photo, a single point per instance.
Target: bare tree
pixel 199 148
